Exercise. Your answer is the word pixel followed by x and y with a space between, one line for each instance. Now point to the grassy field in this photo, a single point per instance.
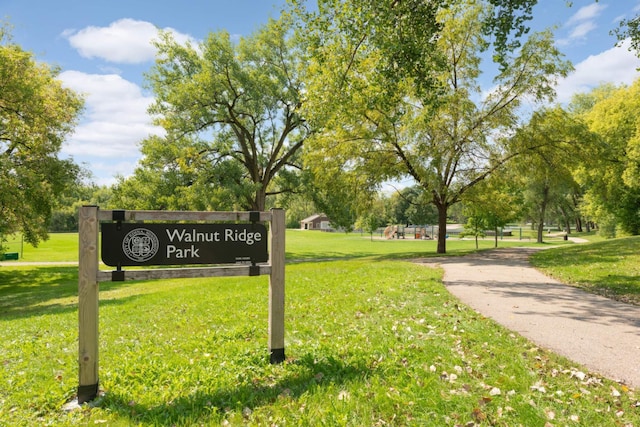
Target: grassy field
pixel 371 340
pixel 610 267
pixel 60 247
pixel 301 245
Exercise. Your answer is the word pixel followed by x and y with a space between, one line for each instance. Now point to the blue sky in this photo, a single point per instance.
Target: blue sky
pixel 103 49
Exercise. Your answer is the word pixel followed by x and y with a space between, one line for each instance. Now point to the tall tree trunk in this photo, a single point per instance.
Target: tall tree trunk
pixel 576 209
pixel 540 232
pixel 543 209
pixel 442 228
pixel 567 220
pixel 260 201
pixel 496 238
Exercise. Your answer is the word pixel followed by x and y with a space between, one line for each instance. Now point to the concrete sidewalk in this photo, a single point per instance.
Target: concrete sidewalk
pixel 599 333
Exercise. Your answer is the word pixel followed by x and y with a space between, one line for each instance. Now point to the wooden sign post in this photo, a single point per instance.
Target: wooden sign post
pixel 126 244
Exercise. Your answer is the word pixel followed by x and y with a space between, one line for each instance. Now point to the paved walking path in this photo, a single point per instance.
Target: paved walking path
pixel 599 333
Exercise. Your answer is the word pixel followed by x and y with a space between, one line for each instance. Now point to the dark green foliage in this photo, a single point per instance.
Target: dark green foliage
pixel 508 25
pixel 36 115
pixel 234 130
pixel 628 211
pixel 630 28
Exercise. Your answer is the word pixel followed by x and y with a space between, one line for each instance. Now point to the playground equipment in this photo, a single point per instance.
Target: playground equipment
pixel 421 233
pixel 400 231
pixel 394 232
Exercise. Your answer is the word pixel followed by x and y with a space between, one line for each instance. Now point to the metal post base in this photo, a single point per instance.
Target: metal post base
pixel 276 356
pixel 87 393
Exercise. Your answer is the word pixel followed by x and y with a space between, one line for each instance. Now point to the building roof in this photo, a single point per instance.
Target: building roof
pixel 314 217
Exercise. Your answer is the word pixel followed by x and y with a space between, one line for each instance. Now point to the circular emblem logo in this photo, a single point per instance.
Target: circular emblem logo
pixel 140 245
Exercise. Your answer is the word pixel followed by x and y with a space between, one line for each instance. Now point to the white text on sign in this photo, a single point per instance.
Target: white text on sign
pixel 229 235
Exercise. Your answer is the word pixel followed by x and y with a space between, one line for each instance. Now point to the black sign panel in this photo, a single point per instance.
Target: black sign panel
pixel 128 244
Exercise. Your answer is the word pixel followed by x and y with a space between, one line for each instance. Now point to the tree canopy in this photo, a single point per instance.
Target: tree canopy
pixel 546 174
pixel 36 115
pixel 612 179
pixel 231 115
pixel 447 139
pixel 366 92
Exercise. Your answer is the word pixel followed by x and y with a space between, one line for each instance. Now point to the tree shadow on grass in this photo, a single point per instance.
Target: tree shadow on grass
pixel 296 378
pixel 34 291
pixel 617 287
pixel 26 292
pixel 616 284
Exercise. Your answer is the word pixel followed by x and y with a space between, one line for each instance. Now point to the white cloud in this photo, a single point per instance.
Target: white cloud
pixel 114 122
pixel 582 23
pixel 586 13
pixel 580 31
pixel 125 41
pixel 616 65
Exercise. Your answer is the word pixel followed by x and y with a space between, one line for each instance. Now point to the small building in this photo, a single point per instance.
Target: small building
pixel 316 222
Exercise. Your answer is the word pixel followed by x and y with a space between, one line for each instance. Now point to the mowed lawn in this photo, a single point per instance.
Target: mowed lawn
pixel 610 268
pixel 371 339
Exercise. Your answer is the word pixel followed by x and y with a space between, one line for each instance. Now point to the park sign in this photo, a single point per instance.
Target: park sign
pixel 131 244
pixel 233 243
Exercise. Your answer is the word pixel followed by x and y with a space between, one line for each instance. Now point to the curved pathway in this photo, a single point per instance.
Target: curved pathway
pixel 599 333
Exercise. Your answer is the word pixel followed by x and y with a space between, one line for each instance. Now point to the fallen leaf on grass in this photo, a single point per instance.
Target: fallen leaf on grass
pixel 478 414
pixel 246 412
pixel 579 375
pixel 538 387
pixel 485 400
pixel 344 395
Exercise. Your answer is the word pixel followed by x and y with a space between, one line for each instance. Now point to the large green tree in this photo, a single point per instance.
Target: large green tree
pixel 36 115
pixel 612 179
pixel 83 192
pixel 493 203
pixel 411 205
pixel 547 173
pixel 429 120
pixel 231 115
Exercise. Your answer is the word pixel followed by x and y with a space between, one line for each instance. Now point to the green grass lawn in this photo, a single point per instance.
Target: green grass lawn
pixel 60 247
pixel 370 340
pixel 608 267
pixel 300 245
